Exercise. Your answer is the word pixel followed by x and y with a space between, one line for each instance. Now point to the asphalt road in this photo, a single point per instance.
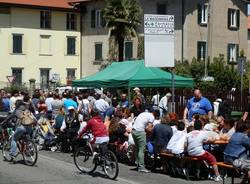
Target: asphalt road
pixel 58 168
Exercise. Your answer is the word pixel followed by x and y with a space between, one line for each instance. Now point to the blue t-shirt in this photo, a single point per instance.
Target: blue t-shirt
pixel 202 107
pixel 69 102
pixel 124 104
pixel 109 112
pixel 6 104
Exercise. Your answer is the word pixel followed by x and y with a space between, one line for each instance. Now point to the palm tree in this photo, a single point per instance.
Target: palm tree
pixel 122 18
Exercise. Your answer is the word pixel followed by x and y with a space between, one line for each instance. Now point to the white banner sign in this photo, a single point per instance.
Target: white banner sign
pixel 159 40
pixel 159 24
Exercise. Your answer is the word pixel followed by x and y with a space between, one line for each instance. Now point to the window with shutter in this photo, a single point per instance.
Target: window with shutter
pixel 71 74
pixel 17 43
pixel 128 50
pixel 45 19
pixel 44 78
pixel 201 50
pixel 98 52
pixel 202 14
pixel 93 19
pixel 17 72
pixel 233 19
pixel 71 21
pixel 103 20
pixel 233 52
pixel 71 45
pixel 97 19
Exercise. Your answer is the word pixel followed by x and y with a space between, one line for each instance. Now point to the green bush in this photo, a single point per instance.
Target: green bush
pixel 225 75
pixel 13 88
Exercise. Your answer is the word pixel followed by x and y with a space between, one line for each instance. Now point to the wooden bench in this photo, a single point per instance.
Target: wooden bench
pixel 228 167
pixel 165 154
pixel 181 164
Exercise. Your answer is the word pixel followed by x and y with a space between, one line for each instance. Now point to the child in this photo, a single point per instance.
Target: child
pixel 177 142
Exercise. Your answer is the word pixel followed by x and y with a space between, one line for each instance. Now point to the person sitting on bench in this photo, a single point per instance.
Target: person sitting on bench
pixel 195 140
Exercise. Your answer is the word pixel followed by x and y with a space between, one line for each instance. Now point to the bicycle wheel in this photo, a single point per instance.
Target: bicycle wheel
pixel 30 153
pixel 110 166
pixel 84 159
pixel 6 150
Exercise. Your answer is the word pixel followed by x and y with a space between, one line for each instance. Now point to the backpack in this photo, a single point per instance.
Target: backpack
pixel 224 109
pixel 27 118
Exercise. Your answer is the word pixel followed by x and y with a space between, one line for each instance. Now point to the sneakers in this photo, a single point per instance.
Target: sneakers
pixel 13 155
pixel 217 178
pixel 53 148
pixel 143 170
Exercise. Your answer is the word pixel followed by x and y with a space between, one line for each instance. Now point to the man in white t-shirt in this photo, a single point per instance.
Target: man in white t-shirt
pixel 13 99
pixel 177 142
pixel 155 100
pixel 143 122
pixel 163 104
pixel 195 140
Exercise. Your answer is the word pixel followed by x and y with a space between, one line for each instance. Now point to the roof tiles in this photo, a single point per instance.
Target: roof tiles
pixel 64 4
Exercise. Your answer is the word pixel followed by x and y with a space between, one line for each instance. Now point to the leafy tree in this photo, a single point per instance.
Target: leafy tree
pixel 225 76
pixel 123 18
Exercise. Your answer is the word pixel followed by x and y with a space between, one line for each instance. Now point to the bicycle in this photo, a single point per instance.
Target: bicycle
pixel 86 160
pixel 25 145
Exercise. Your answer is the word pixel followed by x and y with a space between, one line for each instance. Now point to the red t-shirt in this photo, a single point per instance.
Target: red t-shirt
pixel 96 126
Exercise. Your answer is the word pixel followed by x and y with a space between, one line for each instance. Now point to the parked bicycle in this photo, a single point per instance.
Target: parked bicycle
pixel 25 145
pixel 87 160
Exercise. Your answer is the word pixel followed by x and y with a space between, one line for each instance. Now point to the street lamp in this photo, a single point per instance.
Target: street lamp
pixel 207 78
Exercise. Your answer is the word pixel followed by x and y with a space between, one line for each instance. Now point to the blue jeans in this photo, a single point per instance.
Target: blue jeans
pixel 229 159
pixel 20 131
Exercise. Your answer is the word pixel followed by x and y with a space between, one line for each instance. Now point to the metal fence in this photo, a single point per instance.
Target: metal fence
pixel 233 98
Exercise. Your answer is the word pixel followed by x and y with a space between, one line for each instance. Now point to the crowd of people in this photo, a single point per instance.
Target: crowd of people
pixel 64 118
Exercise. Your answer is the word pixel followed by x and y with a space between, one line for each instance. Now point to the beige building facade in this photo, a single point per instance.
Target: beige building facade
pixel 40 43
pixel 201 27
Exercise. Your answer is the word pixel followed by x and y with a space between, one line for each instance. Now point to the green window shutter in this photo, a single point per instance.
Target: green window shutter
pixel 228 53
pixel 93 18
pixel 17 43
pixel 98 52
pixel 237 52
pixel 18 76
pixel 67 21
pixel 71 46
pixel 229 18
pixel 199 14
pixel 128 50
pixel 41 19
pixel 103 20
pixel 238 18
pixel 198 50
pixel 205 49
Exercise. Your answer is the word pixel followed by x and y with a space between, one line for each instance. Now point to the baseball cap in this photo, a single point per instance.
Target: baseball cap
pixel 168 94
pixel 71 108
pixel 136 89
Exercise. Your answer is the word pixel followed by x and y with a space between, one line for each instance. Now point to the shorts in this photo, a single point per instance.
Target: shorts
pixel 208 157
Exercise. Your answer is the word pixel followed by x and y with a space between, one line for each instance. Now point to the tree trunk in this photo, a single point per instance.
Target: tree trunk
pixel 121 49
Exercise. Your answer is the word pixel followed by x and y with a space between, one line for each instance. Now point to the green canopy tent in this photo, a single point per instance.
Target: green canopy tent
pixel 132 74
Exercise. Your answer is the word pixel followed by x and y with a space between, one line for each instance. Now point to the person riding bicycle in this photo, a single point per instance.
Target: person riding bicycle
pixel 96 126
pixel 24 123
